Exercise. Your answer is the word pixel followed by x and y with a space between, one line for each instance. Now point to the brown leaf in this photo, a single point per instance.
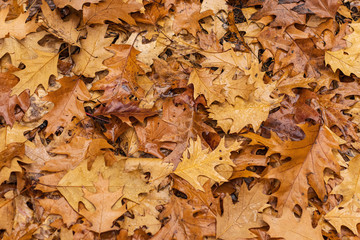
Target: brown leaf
pixel 309 158
pixel 92 52
pixel 188 218
pixel 103 217
pixel 61 207
pixel 68 103
pixel 123 68
pixel 112 11
pixel 124 111
pixel 65 30
pixel 323 8
pixel 179 123
pixel 8 104
pixel 283 12
pixel 77 4
pixel 188 16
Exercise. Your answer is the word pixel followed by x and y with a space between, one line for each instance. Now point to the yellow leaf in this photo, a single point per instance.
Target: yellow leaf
pixel 239 217
pixel 350 186
pixel 18 27
pixel 347 60
pixel 92 52
pixel 37 71
pixel 242 113
pixel 347 215
pixel 202 162
pixel 289 227
pixel 202 80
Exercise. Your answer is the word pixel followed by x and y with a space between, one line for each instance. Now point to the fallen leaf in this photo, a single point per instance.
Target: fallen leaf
pixel 68 103
pixel 8 103
pixel 198 162
pixel 92 52
pixel 104 215
pixel 306 168
pixel 288 226
pixel 16 28
pixel 112 11
pixel 65 30
pixel 239 217
pixel 37 71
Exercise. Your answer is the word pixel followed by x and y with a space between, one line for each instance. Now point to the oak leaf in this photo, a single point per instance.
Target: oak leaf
pixel 37 71
pixel 92 52
pixel 347 215
pixel 289 227
pixel 349 187
pixel 157 169
pixel 149 51
pixel 323 8
pixel 309 158
pixel 188 16
pixel 304 56
pixel 12 151
pixel 8 103
pixel 123 69
pixel 60 207
pixel 233 118
pixel 153 13
pixel 131 181
pixel 145 213
pixel 237 218
pixel 235 84
pixel 18 27
pixel 37 152
pixel 78 150
pixel 214 6
pixel 10 158
pixel 183 213
pixel 347 60
pixel 332 114
pixel 77 4
pixel 227 59
pixel 65 30
pixel 198 162
pixel 103 200
pixel 247 158
pixel 20 50
pixel 13 134
pixel 124 111
pixel 111 10
pixel 68 103
pixel 179 122
pixel 286 84
pixel 283 12
pixel 202 81
pixel 129 142
pixel 7 212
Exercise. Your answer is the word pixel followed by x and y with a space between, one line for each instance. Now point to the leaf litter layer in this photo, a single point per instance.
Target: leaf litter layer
pixel 179 119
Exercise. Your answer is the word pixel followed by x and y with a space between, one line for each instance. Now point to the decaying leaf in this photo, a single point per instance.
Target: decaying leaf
pixel 179 119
